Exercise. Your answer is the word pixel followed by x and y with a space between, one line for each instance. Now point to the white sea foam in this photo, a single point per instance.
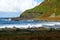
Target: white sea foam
pixel 30 25
pixel 21 26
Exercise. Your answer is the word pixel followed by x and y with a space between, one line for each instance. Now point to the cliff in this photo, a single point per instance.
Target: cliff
pixel 44 10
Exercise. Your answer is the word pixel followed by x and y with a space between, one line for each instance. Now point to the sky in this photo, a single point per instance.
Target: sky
pixel 13 8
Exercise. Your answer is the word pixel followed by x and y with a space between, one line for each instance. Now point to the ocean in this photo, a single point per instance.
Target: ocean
pixel 27 23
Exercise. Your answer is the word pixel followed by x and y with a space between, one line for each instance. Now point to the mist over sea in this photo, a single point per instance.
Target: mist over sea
pixel 27 23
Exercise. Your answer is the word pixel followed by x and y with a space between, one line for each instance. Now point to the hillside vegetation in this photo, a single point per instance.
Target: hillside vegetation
pixel 45 9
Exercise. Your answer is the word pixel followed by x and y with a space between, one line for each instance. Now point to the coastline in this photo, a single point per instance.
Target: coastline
pixel 57 19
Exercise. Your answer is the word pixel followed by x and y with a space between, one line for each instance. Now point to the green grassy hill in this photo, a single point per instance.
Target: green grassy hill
pixel 58 8
pixel 45 9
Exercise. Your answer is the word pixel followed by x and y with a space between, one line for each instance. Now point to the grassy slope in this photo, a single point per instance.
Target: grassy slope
pixel 58 8
pixel 45 9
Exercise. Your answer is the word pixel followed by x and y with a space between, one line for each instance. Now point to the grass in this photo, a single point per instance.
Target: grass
pixel 45 9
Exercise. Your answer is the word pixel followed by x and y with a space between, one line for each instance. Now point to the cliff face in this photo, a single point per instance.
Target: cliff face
pixel 45 9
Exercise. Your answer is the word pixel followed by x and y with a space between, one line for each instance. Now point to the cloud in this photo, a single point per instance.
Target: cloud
pixel 16 5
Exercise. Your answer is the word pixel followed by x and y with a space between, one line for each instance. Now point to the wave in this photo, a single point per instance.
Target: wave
pixel 49 25
pixel 26 23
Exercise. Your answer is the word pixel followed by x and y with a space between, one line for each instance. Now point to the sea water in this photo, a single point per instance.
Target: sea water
pixel 26 23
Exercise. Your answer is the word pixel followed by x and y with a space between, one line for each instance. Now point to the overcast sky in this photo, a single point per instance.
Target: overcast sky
pixel 13 8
